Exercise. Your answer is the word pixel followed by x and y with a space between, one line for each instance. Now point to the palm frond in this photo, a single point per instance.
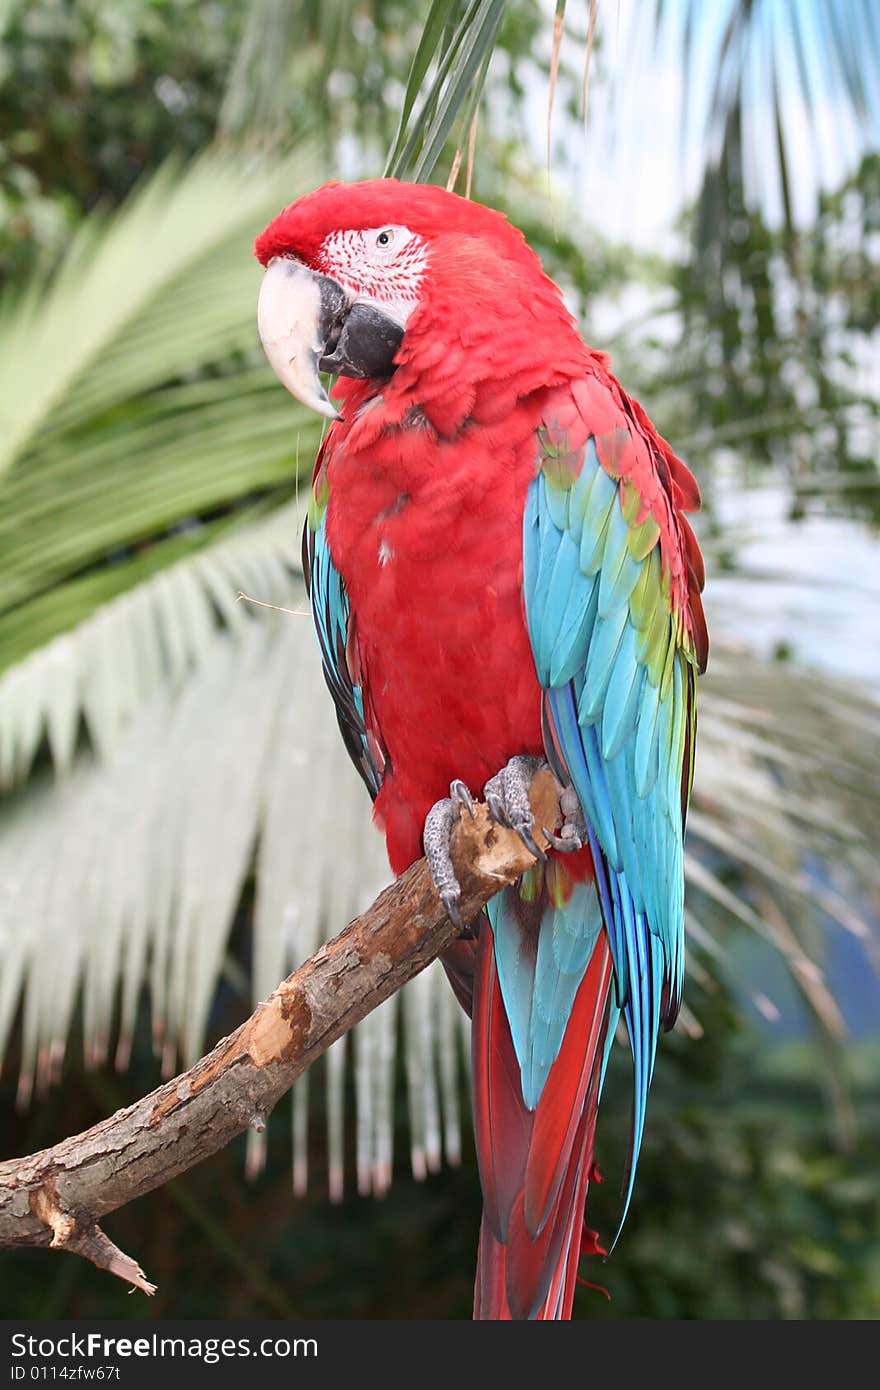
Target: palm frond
pixel 462 51
pixel 780 835
pixel 113 663
pixel 153 311
pixel 98 330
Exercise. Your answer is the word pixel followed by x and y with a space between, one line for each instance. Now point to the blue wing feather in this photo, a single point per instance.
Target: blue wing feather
pixel 617 704
pixel 332 616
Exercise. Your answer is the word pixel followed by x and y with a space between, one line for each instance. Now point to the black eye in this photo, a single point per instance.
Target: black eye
pixel 384 238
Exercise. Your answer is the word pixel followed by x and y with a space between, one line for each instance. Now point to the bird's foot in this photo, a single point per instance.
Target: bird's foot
pixel 436 836
pixel 508 800
pixel 573 832
pixel 507 796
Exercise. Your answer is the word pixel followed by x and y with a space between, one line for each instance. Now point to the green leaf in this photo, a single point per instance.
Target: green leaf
pixel 431 45
pixel 469 47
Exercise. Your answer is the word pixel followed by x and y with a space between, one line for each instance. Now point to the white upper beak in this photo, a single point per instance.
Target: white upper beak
pixel 289 320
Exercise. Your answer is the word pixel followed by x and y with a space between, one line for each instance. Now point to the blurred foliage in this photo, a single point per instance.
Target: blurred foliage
pixel 152 731
pixel 92 95
pixel 773 72
pixel 776 355
pixel 96 93
pixel 120 359
pixel 777 301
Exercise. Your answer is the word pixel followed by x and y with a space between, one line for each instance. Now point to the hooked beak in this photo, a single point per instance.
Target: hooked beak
pixel 297 314
pixel 308 324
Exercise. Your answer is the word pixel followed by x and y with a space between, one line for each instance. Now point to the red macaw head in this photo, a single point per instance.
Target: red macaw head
pixel 349 265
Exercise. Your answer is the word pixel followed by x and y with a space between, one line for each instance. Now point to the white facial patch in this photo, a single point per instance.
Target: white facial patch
pixel 382 266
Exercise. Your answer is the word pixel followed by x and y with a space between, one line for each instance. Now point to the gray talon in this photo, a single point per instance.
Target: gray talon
pixel 451 902
pixel 525 834
pixel 507 796
pixel 496 809
pixel 460 795
pixel 565 844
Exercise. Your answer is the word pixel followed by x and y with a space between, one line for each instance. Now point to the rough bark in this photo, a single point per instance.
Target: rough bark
pixel 57 1197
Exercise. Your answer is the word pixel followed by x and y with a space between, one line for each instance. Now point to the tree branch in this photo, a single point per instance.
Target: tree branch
pixel 57 1197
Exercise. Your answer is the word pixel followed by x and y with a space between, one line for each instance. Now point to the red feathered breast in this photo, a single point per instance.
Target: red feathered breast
pixel 427 535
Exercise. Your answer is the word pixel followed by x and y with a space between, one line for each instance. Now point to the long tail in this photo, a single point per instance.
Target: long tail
pixel 543 1014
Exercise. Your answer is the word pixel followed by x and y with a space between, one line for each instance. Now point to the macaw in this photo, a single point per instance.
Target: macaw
pixel 502 576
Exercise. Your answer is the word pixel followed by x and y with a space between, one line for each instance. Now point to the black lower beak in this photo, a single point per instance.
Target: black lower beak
pixel 364 344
